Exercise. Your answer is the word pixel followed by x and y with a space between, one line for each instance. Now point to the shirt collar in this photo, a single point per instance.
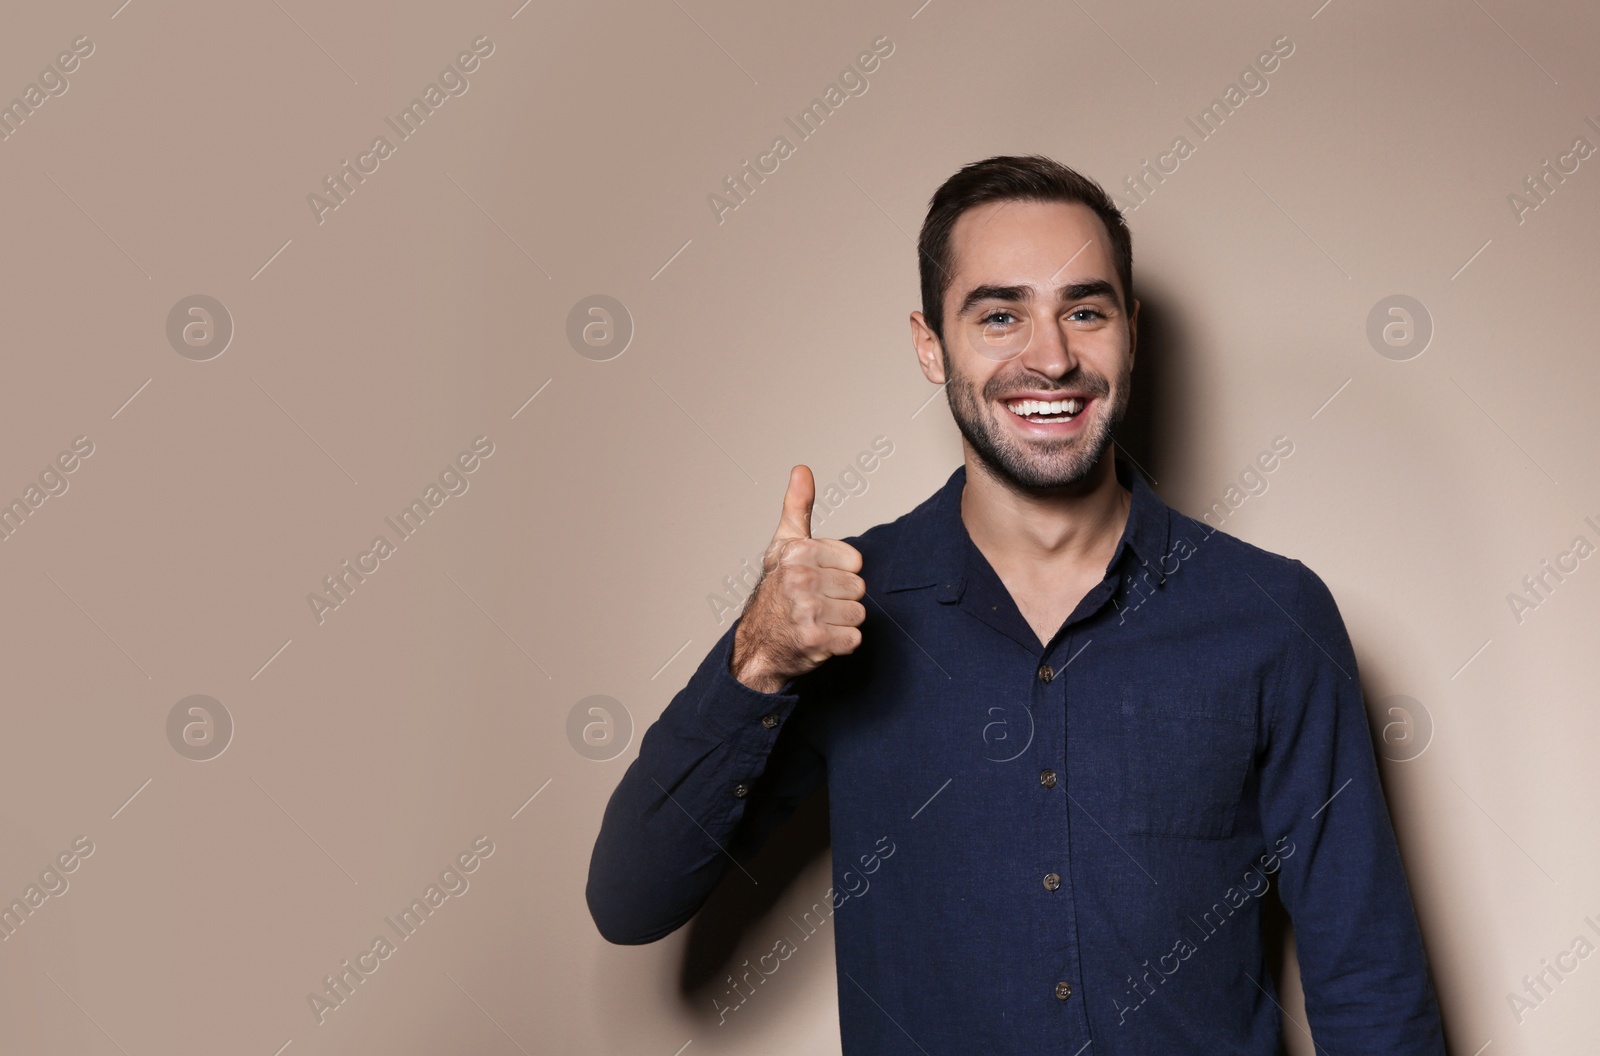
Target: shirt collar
pixel 933 545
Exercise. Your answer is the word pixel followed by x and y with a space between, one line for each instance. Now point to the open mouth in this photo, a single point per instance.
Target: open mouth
pixel 1042 412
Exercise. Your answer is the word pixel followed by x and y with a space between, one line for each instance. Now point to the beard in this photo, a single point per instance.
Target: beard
pixel 1036 465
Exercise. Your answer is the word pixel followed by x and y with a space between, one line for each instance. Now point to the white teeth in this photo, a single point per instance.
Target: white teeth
pixel 1025 408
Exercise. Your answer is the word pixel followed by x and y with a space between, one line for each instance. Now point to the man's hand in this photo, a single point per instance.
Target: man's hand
pixel 806 607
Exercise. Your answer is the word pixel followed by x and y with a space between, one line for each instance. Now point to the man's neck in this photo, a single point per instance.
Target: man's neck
pixel 1074 530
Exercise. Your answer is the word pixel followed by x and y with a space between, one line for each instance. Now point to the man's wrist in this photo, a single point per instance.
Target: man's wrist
pixel 758 677
pixel 749 669
pixel 763 683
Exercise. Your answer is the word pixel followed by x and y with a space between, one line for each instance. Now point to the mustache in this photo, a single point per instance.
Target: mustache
pixel 1090 384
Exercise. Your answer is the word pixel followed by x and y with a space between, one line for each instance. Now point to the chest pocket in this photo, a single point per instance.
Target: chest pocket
pixel 1179 762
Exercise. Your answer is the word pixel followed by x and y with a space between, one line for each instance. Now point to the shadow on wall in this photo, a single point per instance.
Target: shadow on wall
pixel 1158 418
pixel 718 936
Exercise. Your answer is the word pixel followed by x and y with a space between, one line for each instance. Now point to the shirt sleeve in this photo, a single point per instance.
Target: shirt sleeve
pixel 1362 963
pixel 721 767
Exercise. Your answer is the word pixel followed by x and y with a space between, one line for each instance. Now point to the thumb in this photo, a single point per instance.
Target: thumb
pixel 796 520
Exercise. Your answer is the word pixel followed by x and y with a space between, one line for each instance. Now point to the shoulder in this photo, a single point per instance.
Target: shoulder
pixel 881 540
pixel 892 550
pixel 1225 558
pixel 1276 599
pixel 1222 552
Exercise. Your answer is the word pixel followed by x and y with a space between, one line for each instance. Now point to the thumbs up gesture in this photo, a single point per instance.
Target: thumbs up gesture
pixel 806 607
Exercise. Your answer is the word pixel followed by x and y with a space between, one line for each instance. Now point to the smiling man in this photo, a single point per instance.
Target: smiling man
pixel 1094 729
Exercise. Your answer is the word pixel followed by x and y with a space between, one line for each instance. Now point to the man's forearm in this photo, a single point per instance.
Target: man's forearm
pixel 690 798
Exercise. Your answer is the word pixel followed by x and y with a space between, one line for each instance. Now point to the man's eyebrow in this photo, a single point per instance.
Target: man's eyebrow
pixel 1072 291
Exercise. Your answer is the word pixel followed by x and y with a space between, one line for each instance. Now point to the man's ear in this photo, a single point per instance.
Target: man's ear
pixel 1133 331
pixel 930 351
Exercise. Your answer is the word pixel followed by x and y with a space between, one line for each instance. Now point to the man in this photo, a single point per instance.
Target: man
pixel 1070 735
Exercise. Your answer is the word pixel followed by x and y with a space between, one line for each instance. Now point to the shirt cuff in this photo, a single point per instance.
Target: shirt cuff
pixel 733 712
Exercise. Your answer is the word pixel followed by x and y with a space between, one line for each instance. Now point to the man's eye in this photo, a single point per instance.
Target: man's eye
pixel 995 318
pixel 1091 311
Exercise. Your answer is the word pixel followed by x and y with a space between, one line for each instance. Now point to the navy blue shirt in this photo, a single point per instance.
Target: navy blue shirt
pixel 1039 847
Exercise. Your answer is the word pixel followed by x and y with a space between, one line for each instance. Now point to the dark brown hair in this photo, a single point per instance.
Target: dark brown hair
pixel 1031 177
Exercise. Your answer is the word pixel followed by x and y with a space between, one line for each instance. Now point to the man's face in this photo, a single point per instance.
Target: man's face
pixel 1033 312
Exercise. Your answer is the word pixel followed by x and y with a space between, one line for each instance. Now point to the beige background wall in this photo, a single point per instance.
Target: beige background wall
pixel 370 748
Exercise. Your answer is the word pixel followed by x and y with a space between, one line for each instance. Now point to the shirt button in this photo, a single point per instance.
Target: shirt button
pixel 769 721
pixel 741 790
pixel 1047 778
pixel 1052 881
pixel 1063 990
pixel 1046 673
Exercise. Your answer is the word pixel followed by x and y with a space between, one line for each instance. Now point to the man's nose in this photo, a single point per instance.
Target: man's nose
pixel 1049 348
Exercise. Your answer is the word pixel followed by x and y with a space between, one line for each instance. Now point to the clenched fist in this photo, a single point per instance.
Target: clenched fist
pixel 806 607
